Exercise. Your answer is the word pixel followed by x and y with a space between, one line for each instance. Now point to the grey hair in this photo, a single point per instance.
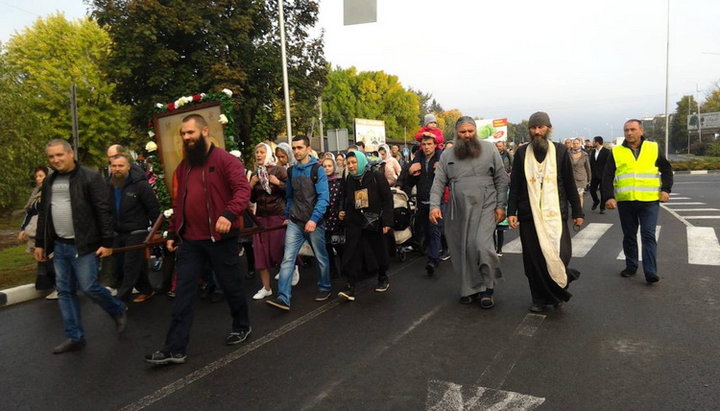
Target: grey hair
pixel 465 120
pixel 59 141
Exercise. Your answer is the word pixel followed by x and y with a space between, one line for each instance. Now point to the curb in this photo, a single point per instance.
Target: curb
pixel 20 294
pixel 696 172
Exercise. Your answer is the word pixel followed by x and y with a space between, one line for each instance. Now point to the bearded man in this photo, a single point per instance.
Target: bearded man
pixel 212 194
pixel 478 190
pixel 542 186
pixel 135 208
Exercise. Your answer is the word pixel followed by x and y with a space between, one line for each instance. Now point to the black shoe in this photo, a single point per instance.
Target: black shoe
pixel 348 293
pixel 322 295
pixel 595 205
pixel 487 302
pixel 628 272
pixel 236 337
pixel 430 267
pixel 278 303
pixel 121 321
pixel 250 275
pixel 161 358
pixel 444 256
pixel 536 308
pixel 602 211
pixel 69 345
pixel 652 278
pixel 382 285
pixel 469 299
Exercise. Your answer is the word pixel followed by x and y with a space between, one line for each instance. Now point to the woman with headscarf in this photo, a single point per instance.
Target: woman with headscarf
pixel 368 214
pixel 340 165
pixel 392 167
pixel 45 274
pixel 334 229
pixel 267 186
pixel 284 155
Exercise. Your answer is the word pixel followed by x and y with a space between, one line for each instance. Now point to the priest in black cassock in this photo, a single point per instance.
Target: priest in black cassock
pixel 541 188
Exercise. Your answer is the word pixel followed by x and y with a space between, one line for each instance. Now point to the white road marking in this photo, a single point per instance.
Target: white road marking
pixel 695 209
pixel 448 396
pixel 702 217
pixel 621 256
pixel 587 237
pixel 685 203
pixel 703 246
pixel 681 198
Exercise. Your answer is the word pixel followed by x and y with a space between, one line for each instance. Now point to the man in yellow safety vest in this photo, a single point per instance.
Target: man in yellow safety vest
pixel 636 180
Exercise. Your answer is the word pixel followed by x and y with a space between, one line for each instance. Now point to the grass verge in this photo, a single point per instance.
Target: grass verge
pixel 17 267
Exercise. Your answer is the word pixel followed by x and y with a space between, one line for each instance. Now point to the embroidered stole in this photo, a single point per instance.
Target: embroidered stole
pixel 545 204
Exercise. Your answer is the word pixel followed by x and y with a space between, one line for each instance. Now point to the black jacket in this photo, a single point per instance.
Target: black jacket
pixel 424 180
pixel 597 167
pixel 380 199
pixel 139 207
pixel 92 217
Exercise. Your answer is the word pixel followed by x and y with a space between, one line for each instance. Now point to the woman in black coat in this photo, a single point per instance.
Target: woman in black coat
pixel 368 214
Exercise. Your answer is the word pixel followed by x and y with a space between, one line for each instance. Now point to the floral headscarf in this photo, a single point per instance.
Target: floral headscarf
pixel 262 172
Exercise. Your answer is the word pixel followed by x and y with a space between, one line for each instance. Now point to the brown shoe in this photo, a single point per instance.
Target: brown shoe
pixel 143 297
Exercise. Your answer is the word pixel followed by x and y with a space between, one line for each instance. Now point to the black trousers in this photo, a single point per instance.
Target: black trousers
pixel 594 185
pixel 365 249
pixel 191 258
pixel 131 267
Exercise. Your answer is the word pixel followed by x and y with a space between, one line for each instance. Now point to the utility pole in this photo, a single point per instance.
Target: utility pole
pixel 283 54
pixel 74 116
pixel 322 134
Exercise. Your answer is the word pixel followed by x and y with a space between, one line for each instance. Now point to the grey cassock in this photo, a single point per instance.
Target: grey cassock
pixel 477 187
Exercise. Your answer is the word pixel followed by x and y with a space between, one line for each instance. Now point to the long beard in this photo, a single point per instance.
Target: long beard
pixel 118 181
pixel 540 146
pixel 467 148
pixel 196 155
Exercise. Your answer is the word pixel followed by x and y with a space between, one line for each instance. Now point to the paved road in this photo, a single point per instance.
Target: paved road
pixel 618 344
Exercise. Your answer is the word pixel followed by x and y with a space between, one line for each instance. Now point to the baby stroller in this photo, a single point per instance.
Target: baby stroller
pixel 403 219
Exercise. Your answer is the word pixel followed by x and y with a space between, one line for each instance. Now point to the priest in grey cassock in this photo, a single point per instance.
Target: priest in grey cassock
pixel 478 183
pixel 542 186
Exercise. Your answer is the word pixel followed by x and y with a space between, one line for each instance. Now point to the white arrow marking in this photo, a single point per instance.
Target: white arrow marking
pixel 703 247
pixel 448 396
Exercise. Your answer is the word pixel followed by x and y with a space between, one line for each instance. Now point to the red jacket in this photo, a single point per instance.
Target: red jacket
pixel 227 193
pixel 438 135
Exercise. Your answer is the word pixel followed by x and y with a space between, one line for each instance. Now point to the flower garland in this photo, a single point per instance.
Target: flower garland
pixel 227 119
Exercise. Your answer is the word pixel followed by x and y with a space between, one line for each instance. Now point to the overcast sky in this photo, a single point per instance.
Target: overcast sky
pixel 590 65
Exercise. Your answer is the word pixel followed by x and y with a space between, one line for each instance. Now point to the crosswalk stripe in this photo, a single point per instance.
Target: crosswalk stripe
pixel 703 246
pixel 695 209
pixel 513 247
pixel 587 237
pixel 681 198
pixel 621 256
pixel 681 203
pixel 701 217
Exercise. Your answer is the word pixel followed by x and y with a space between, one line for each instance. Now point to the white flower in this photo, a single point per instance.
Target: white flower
pixel 228 92
pixel 223 119
pixel 179 102
pixel 202 96
pixel 150 146
pixel 236 153
pixel 165 234
pixel 151 133
pixel 160 105
pixel 168 213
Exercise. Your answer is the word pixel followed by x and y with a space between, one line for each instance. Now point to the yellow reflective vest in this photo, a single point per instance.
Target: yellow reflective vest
pixel 637 179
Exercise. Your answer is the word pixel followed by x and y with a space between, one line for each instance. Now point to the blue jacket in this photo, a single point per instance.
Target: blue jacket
pixel 306 201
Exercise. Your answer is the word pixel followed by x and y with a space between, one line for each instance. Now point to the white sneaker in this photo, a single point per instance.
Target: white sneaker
pixel 296 276
pixel 113 291
pixel 52 296
pixel 135 291
pixel 262 293
pixel 277 276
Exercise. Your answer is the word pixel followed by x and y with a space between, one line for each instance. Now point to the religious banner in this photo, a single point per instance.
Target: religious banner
pixel 370 132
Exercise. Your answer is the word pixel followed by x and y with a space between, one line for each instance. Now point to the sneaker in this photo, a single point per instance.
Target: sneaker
pixel 322 295
pixel 278 303
pixel 296 276
pixel 262 294
pixel 628 272
pixel 499 253
pixel 236 337
pixel 69 345
pixel 135 291
pixel 161 358
pixel 348 293
pixel 170 294
pixel 536 308
pixel 277 276
pixel 52 296
pixel 430 267
pixel 469 299
pixel 143 297
pixel 445 256
pixel 652 278
pixel 113 291
pixel 382 285
pixel 121 321
pixel 487 302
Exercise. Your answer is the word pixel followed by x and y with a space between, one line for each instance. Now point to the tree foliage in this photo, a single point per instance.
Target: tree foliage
pixel 44 61
pixel 372 95
pixel 678 124
pixel 712 102
pixel 166 49
pixel 446 122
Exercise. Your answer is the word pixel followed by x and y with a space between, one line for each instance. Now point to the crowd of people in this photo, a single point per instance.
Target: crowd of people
pixel 343 206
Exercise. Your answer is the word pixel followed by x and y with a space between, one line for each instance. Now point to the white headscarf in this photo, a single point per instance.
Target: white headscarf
pixel 288 151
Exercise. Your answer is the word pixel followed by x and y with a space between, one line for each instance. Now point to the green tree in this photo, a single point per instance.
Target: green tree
pixel 446 122
pixel 44 61
pixel 163 50
pixel 518 133
pixel 712 102
pixel 678 124
pixel 372 95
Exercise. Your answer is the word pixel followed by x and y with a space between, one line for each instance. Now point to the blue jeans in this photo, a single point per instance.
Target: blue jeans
pixel 644 214
pixel 72 270
pixel 295 236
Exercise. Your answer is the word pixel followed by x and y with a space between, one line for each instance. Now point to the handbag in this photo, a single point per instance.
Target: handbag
pixel 31 227
pixel 371 221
